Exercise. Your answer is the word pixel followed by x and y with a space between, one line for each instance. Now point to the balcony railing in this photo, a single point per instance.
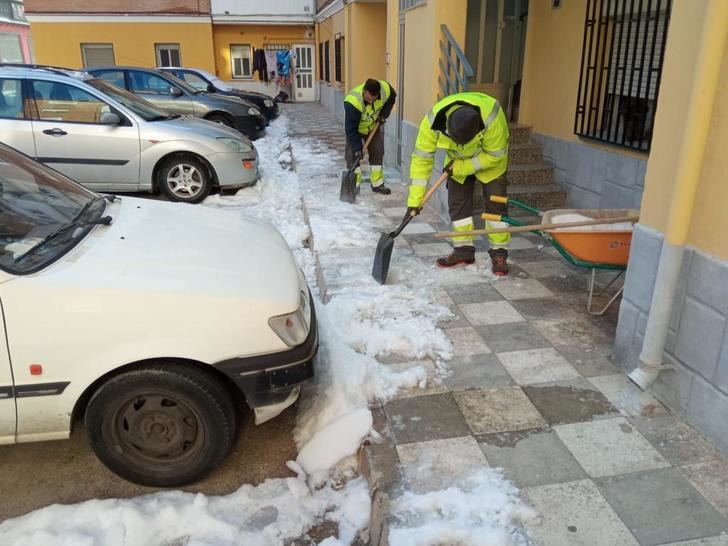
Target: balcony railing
pixel 454 66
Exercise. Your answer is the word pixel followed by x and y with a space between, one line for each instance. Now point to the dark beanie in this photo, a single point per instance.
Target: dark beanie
pixel 463 124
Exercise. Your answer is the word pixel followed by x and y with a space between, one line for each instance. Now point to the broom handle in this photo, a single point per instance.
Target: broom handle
pixel 535 227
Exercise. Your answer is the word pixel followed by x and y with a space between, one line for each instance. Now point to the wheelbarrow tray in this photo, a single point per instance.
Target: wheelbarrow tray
pixel 602 246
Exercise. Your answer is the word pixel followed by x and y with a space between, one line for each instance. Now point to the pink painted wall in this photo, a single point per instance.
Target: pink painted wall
pixel 24 32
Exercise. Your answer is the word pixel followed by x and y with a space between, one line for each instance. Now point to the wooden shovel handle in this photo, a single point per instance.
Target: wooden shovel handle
pixel 434 187
pixel 370 137
pixel 535 227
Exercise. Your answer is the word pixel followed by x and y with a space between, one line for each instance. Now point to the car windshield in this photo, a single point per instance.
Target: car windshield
pixel 186 87
pixel 42 213
pixel 145 110
pixel 217 82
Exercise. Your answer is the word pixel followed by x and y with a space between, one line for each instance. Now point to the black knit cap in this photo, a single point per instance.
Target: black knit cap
pixel 463 124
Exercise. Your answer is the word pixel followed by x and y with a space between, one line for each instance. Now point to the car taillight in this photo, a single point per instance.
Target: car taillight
pixel 248 164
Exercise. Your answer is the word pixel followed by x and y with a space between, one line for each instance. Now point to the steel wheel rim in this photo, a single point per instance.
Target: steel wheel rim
pixel 157 429
pixel 185 180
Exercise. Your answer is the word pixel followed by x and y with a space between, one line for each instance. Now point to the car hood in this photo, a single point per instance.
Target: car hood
pixel 235 105
pixel 190 250
pixel 251 94
pixel 194 127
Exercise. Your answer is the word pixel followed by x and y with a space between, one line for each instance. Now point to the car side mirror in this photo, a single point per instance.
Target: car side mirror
pixel 211 88
pixel 175 91
pixel 110 118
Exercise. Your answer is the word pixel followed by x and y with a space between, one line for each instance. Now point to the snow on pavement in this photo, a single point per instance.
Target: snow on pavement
pixel 362 321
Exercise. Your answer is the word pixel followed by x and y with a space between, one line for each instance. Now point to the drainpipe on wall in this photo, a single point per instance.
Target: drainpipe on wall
pixel 692 150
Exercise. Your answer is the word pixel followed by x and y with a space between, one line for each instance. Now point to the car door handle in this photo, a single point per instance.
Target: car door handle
pixel 54 132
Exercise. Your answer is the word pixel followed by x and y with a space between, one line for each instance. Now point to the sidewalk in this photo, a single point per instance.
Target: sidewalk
pixel 531 389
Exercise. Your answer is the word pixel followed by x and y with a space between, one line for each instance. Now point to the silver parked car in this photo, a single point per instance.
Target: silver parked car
pixel 110 140
pixel 173 95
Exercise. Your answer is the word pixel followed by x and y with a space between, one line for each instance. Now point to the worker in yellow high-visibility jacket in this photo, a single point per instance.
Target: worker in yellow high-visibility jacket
pixel 473 131
pixel 368 103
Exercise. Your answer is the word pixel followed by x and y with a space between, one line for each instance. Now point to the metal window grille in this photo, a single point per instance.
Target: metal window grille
pixel 621 66
pixel 327 73
pixel 277 47
pixel 338 49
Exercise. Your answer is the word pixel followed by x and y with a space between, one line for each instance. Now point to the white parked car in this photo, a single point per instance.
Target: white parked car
pixel 111 140
pixel 154 322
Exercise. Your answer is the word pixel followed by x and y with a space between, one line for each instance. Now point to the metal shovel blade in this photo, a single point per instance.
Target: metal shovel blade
pixel 348 187
pixel 382 257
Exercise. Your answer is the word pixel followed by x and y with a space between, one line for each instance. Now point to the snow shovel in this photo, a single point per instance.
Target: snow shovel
pixel 347 193
pixel 383 254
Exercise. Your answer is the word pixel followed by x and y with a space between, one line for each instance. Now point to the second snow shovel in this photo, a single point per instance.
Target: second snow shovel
pixel 383 254
pixel 347 193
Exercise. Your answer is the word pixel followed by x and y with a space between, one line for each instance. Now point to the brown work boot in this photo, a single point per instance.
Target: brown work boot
pixel 461 255
pixel 384 190
pixel 499 257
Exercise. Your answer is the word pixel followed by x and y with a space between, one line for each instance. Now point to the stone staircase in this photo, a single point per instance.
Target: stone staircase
pixel 530 179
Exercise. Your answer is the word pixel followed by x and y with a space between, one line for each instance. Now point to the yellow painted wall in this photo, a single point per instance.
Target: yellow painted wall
pixel 419 62
pixel 710 221
pixel 327 31
pixel 256 36
pixel 366 41
pixel 60 43
pixel 551 68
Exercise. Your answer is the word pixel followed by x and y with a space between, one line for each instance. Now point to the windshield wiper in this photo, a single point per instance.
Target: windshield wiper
pixel 74 223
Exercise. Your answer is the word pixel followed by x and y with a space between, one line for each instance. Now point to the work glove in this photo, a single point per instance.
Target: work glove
pixel 358 155
pixel 381 120
pixel 410 210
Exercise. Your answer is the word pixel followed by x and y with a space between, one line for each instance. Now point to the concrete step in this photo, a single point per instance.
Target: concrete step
pixel 520 134
pixel 530 174
pixel 525 154
pixel 550 196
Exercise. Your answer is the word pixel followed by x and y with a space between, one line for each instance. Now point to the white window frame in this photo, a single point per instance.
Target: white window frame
pixel 84 47
pixel 158 48
pixel 243 76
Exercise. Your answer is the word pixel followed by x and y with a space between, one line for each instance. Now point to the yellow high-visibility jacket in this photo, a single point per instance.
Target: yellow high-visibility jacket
pixel 485 156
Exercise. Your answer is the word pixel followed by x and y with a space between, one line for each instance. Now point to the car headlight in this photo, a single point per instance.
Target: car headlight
pixel 254 112
pixel 236 145
pixel 291 328
pixel 268 103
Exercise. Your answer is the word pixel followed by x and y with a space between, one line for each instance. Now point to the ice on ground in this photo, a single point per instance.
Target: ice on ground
pixel 574 217
pixel 486 511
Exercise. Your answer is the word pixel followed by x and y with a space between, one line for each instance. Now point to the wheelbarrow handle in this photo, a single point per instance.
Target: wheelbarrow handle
pixel 517 203
pixel 429 193
pixel 366 145
pixel 535 227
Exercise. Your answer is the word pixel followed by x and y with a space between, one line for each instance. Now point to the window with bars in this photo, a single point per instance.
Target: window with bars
pixel 621 66
pixel 408 4
pixel 321 60
pixel 327 71
pixel 338 51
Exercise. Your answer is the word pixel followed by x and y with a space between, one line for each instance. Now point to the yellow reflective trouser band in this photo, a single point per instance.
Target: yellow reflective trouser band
pixel 417 192
pixel 377 175
pixel 358 175
pixel 466 224
pixel 498 240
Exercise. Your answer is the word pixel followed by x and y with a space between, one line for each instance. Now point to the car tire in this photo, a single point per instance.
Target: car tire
pixel 222 119
pixel 163 425
pixel 185 179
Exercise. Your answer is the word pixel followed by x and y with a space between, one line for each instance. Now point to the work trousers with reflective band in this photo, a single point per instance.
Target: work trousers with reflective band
pixel 375 151
pixel 460 204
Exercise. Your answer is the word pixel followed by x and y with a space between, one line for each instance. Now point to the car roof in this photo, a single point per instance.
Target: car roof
pixel 29 70
pixel 121 67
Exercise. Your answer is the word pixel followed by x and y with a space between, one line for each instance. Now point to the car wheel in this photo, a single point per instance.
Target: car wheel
pixel 223 120
pixel 161 425
pixel 184 178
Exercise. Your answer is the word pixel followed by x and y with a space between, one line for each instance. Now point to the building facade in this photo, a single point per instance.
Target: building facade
pixel 16 45
pixel 221 37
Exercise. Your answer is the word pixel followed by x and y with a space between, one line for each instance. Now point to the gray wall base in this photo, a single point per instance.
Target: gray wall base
pixel 696 388
pixel 333 100
pixel 594 178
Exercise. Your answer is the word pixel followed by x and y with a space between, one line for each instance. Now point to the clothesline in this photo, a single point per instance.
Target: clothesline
pixel 274 63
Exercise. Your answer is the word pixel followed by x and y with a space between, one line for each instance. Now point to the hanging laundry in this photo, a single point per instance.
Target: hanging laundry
pixel 271 61
pixel 260 65
pixel 283 66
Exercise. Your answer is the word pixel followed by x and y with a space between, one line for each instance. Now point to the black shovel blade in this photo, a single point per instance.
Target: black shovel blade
pixel 348 187
pixel 382 257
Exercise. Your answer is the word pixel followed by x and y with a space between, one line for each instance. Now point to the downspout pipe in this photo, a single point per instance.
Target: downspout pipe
pixel 692 150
